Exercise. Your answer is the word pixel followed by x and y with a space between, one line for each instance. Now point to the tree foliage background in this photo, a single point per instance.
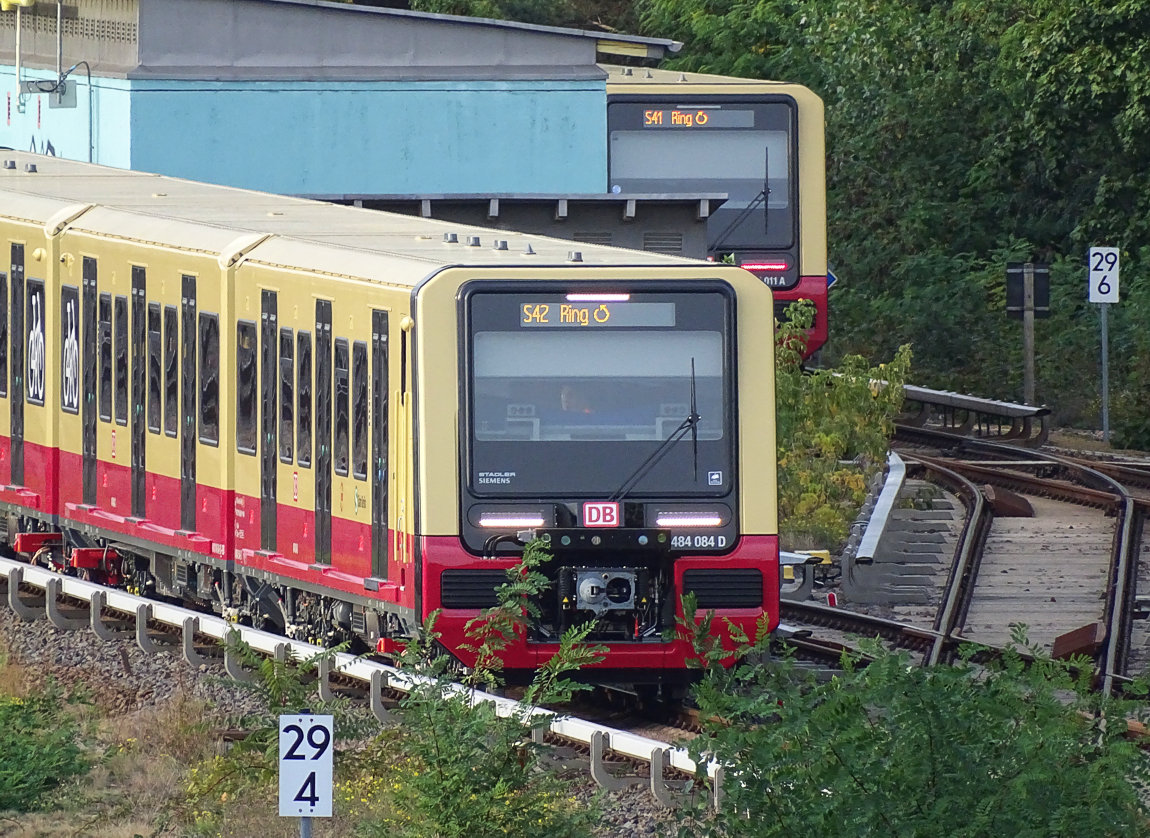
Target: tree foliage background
pixel 963 134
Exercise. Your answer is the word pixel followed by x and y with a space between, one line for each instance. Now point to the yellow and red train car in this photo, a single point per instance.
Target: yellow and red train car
pixel 335 421
pixel 760 142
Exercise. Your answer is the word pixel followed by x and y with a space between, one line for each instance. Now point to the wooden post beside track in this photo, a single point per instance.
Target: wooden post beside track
pixel 1028 332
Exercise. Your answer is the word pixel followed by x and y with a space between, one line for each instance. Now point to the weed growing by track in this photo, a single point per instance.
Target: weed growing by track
pixel 449 766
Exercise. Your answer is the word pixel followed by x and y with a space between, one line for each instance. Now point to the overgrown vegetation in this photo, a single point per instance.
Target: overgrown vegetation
pixel 833 431
pixel 892 748
pixel 451 766
pixel 961 135
pixel 40 746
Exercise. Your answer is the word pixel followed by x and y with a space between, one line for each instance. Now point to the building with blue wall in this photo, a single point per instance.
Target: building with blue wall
pixel 309 97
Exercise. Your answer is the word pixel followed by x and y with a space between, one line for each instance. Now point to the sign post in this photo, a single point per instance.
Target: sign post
pixel 1027 297
pixel 1103 289
pixel 306 746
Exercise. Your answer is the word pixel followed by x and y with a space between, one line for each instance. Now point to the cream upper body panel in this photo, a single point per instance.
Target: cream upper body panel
pixel 437 334
pixel 183 214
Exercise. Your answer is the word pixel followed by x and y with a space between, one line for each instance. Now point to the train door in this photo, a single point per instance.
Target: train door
pixel 379 415
pixel 323 402
pixel 138 427
pixel 269 375
pixel 90 353
pixel 17 333
pixel 188 405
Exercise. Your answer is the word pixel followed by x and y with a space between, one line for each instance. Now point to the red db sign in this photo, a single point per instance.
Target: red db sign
pixel 601 514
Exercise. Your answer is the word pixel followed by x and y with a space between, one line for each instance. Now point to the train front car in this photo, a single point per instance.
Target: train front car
pixel 625 417
pixel 759 142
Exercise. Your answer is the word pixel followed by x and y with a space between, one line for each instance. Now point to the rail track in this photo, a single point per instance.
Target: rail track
pixel 1069 570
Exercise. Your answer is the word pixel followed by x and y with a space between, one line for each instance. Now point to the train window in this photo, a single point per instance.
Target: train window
pixel 246 434
pixel 171 371
pixel 599 400
pixel 106 357
pixel 210 379
pixel 359 409
pixel 3 334
pixel 155 343
pixel 120 325
pixel 743 146
pixel 36 348
pixel 287 394
pixel 70 349
pixel 340 444
pixel 303 422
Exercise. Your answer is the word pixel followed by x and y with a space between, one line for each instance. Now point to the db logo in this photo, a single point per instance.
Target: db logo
pixel 601 514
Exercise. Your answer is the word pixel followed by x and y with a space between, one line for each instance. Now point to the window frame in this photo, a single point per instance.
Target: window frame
pixel 208 370
pixel 305 375
pixel 247 387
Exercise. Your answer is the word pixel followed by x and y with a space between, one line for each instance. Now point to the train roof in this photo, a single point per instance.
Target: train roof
pixel 640 79
pixel 293 232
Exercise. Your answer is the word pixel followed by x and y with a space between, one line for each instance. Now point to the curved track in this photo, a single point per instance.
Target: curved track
pixel 1069 572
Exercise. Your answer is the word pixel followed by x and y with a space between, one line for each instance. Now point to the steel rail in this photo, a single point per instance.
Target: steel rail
pixel 968 555
pixel 1099 489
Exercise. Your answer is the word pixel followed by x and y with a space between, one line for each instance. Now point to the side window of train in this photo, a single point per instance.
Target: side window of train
pixel 121 333
pixel 246 434
pixel 340 444
pixel 359 410
pixel 209 379
pixel 287 394
pixel 70 349
pixel 155 344
pixel 303 388
pixel 3 334
pixel 37 351
pixel 106 357
pixel 171 371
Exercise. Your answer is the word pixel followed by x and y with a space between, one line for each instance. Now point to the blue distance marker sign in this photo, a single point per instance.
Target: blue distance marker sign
pixel 306 746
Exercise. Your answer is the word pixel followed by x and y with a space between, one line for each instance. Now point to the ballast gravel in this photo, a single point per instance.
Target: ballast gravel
pixel 123 679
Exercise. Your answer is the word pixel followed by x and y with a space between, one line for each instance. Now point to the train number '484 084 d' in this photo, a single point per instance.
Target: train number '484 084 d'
pixel 698 542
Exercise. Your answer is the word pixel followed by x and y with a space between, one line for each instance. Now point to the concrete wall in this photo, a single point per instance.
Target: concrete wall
pixel 97 128
pixel 312 138
pixel 309 137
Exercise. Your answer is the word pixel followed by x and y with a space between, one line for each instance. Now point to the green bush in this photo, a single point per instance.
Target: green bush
pixel 450 767
pixel 40 749
pixel 833 431
pixel 894 748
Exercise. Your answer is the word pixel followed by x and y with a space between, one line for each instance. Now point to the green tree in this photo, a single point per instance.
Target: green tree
pixel 963 134
pixel 896 749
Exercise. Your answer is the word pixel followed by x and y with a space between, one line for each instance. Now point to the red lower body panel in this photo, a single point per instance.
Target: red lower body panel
pixel 762 552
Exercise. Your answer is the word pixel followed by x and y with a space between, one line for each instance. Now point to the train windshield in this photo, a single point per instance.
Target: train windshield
pixel 713 144
pixel 574 395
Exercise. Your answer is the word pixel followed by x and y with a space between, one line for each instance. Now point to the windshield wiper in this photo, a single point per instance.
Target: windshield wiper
pixel 691 423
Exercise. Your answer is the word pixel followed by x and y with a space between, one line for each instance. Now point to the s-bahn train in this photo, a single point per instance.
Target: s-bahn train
pixel 761 142
pixel 334 422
